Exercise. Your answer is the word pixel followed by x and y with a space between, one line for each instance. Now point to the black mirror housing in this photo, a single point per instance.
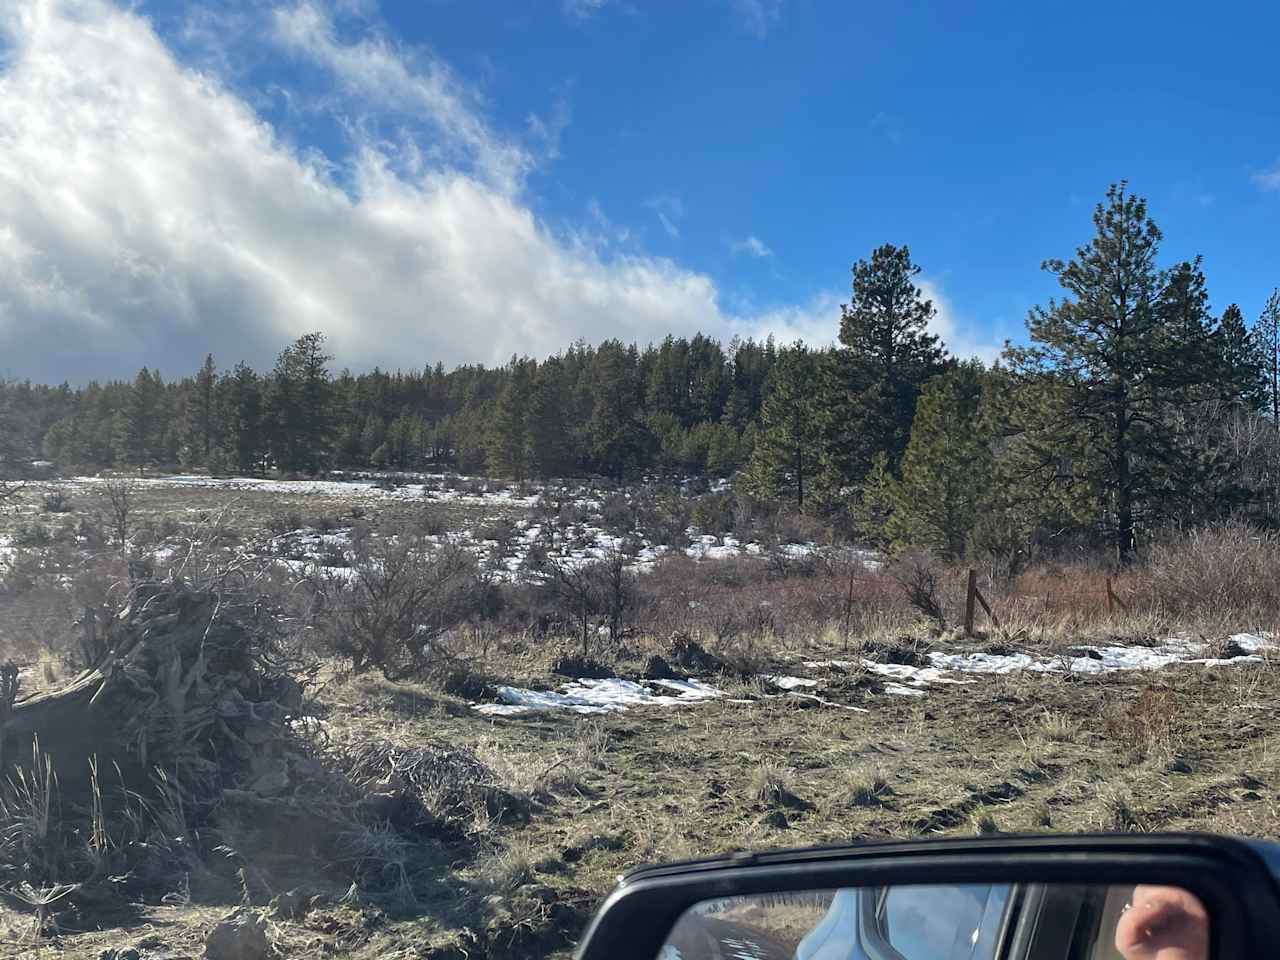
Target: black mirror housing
pixel 1232 878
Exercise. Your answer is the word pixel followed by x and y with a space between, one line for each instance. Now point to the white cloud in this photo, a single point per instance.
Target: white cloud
pixel 752 245
pixel 1269 180
pixel 758 17
pixel 151 215
pixel 583 9
pixel 414 83
pixel 960 341
pixel 670 211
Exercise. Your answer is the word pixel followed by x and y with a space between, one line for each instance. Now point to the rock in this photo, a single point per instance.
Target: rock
pixel 240 935
pixel 1229 650
pixel 124 953
pixel 657 668
pixel 776 819
pixel 291 905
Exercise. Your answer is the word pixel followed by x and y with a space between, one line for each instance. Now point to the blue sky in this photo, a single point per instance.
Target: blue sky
pixel 712 164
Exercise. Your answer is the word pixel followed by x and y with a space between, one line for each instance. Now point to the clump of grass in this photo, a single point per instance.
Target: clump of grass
pixel 502 871
pixel 1118 812
pixel 865 789
pixel 593 741
pixel 1042 815
pixel 984 824
pixel 770 786
pixel 1148 725
pixel 768 780
pixel 1057 725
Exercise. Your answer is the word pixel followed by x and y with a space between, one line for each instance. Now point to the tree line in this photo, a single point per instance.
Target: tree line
pixel 1131 406
pixel 687 405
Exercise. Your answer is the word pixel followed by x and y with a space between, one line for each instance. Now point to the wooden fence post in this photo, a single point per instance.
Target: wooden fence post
pixel 968 603
pixel 848 608
pixel 1113 599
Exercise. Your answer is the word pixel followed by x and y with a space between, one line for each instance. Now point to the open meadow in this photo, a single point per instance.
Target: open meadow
pixel 437 716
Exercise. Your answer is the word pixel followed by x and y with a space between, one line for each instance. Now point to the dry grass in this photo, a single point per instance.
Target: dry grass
pixel 1192 748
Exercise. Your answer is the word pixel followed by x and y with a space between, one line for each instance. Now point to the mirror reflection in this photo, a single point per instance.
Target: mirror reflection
pixel 952 922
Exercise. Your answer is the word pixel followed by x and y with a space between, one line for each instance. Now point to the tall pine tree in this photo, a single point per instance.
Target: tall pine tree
pixel 787 444
pixel 886 354
pixel 302 408
pixel 1103 353
pixel 508 442
pixel 947 467
pixel 1267 334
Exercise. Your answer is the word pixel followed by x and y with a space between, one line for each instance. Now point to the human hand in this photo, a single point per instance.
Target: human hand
pixel 1163 923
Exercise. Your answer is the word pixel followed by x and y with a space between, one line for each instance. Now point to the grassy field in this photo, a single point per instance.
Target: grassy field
pixel 588 796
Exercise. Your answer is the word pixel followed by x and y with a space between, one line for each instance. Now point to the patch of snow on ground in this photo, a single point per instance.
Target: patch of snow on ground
pixel 599 696
pixel 899 690
pixel 790 683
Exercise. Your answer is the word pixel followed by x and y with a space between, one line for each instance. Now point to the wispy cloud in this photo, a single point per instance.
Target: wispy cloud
pixel 669 210
pixel 752 245
pixel 888 126
pixel 582 9
pixel 758 17
pixel 546 131
pixel 1269 180
pixel 411 82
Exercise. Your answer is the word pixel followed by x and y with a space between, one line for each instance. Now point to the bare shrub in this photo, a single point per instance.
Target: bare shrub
pixel 663 517
pixel 920 577
pixel 56 501
pixel 1229 572
pixel 120 497
pixel 602 588
pixel 503 533
pixel 278 524
pixel 391 610
pixel 617 515
pixel 31 535
pixel 431 521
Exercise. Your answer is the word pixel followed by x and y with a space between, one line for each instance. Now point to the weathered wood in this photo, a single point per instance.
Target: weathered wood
pixel 968 603
pixel 848 607
pixel 181 686
pixel 987 607
pixel 1113 599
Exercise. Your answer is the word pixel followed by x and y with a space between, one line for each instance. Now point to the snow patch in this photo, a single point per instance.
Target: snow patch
pixel 790 683
pixel 609 695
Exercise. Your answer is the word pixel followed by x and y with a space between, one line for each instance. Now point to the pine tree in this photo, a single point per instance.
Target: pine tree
pixel 201 420
pixel 551 451
pixel 886 354
pixel 1104 350
pixel 508 441
pixel 372 437
pixel 618 439
pixel 242 416
pixel 787 444
pixel 1243 378
pixel 1267 334
pixel 947 467
pixel 138 428
pixel 301 402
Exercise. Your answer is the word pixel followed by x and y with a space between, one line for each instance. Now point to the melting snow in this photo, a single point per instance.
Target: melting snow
pixel 790 683
pixel 898 689
pixel 599 696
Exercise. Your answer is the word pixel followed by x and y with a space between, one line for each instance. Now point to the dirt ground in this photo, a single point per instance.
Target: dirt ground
pixel 1188 749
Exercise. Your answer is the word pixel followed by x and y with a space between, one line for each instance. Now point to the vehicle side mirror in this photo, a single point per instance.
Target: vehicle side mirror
pixel 1130 897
